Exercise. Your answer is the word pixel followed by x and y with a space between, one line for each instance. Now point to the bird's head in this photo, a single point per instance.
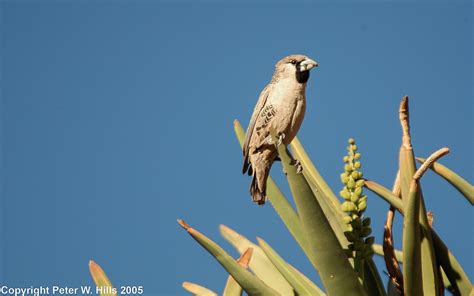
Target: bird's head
pixel 295 66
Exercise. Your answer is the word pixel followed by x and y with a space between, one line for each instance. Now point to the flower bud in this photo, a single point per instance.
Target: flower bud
pixel 350 236
pixel 345 194
pixel 347 168
pixel 358 191
pixel 351 141
pixel 347 219
pixel 344 178
pixel 348 206
pixel 366 231
pixel 366 221
pixel 355 175
pixel 357 156
pixel 351 184
pixel 354 198
pixel 370 240
pixel 360 183
pixel 356 224
pixel 362 206
pixel 357 164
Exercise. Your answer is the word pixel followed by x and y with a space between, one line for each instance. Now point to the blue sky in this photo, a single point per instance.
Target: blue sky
pixel 117 119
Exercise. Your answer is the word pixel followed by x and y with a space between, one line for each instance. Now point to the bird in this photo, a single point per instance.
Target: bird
pixel 280 109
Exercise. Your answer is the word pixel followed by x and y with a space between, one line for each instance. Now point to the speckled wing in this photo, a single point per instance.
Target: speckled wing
pixel 251 129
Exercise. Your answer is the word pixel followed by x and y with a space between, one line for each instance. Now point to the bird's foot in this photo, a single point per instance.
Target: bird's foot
pixel 299 167
pixel 280 139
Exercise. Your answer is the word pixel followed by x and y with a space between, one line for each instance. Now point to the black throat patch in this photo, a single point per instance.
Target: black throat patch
pixel 302 77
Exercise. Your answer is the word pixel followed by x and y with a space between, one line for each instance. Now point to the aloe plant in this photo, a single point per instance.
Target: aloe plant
pixel 335 235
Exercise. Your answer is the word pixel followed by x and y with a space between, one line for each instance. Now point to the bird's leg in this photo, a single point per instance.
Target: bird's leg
pixel 281 137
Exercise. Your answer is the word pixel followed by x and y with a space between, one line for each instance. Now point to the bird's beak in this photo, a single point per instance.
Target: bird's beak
pixel 308 64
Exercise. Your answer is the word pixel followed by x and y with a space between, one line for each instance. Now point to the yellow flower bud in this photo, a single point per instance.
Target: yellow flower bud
pixel 358 191
pixel 351 184
pixel 348 206
pixel 362 206
pixel 354 198
pixel 345 194
pixel 355 175
pixel 347 168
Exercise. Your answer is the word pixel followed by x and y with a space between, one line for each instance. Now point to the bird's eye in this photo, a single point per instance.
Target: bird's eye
pixel 293 62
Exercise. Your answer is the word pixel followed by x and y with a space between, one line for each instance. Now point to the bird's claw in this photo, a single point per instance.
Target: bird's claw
pixel 280 139
pixel 299 167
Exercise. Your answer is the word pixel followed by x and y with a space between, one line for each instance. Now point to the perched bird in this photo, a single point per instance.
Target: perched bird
pixel 280 109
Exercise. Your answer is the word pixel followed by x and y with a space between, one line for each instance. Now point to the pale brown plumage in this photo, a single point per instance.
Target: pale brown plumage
pixel 280 108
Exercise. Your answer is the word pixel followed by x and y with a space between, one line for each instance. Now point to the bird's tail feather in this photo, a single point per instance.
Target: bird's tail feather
pixel 258 188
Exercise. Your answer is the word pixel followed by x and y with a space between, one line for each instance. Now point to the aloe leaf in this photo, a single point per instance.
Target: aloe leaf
pixel 378 250
pixel 325 253
pixel 250 283
pixel 232 288
pixel 458 278
pixel 386 194
pixel 412 280
pixel 306 279
pixel 300 285
pixel 279 202
pixel 334 216
pixel 101 280
pixel 261 266
pixel 454 179
pixel 372 280
pixel 198 290
pixel 407 168
pixel 455 279
pixel 312 175
pixel 326 198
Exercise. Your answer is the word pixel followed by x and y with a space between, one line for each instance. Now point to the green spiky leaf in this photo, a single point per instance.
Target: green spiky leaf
pixel 386 194
pixel 454 179
pixel 250 283
pixel 232 288
pixel 260 264
pixel 325 253
pixel 300 285
pixel 412 279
